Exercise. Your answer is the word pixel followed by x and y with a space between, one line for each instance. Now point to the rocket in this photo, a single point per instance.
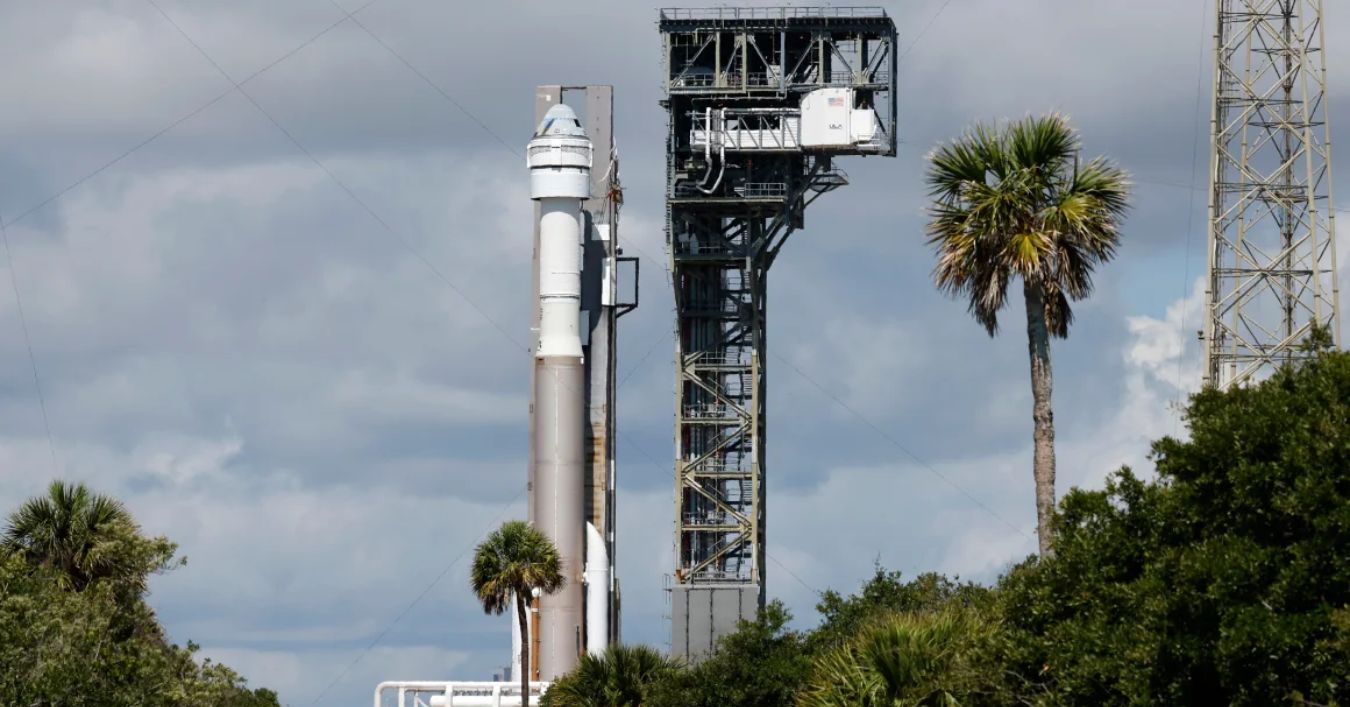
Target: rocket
pixel 576 617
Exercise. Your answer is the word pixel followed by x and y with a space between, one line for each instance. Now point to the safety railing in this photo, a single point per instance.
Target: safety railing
pixel 430 693
pixel 718 521
pixel 769 13
pixel 700 360
pixel 719 467
pixel 763 190
pixel 713 411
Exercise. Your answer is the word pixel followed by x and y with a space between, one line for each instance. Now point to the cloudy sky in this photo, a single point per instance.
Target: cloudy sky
pixel 304 363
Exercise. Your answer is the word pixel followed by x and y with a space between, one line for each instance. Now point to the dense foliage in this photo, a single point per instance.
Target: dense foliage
pixel 763 664
pixel 915 658
pixel 1226 580
pixel 842 618
pixel 1223 580
pixel 75 628
pixel 623 677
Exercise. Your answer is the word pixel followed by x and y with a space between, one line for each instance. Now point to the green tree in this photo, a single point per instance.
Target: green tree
pixel 1224 581
pixel 885 594
pixel 622 677
pixel 514 561
pixel 918 659
pixel 75 629
pixel 762 664
pixel 1015 203
pixel 85 537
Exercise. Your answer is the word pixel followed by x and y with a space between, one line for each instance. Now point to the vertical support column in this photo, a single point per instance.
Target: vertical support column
pixel 598 303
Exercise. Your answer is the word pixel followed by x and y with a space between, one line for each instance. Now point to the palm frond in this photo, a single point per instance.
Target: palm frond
pixel 1044 144
pixel 620 677
pixel 1058 313
pixel 84 535
pixel 1015 203
pixel 973 160
pixel 514 559
pixel 923 658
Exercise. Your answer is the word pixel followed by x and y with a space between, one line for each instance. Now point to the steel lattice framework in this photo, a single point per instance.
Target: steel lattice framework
pixel 1272 249
pixel 739 180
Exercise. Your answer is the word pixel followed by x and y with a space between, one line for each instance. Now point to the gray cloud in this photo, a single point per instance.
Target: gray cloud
pixel 231 343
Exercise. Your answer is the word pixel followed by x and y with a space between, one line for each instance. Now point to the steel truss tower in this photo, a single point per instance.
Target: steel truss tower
pixel 1272 249
pixel 760 100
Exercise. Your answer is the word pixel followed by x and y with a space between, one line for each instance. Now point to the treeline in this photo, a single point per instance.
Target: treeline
pixel 1223 580
pixel 75 628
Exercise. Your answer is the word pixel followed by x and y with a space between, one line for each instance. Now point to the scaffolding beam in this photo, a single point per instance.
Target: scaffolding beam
pixel 1272 234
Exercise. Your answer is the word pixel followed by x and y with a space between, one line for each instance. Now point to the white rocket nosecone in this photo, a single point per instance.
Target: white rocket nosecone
pixel 560 178
pixel 559 157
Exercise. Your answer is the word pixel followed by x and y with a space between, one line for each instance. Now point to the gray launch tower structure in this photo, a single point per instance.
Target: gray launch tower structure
pixel 1272 219
pixel 761 101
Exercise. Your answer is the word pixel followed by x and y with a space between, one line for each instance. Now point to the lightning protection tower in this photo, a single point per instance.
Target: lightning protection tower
pixel 1272 247
pixel 761 101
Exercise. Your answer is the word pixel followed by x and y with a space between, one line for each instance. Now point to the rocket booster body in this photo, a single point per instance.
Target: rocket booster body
pixel 559 158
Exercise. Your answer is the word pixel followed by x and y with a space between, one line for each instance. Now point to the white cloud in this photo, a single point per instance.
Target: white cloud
pixel 1167 349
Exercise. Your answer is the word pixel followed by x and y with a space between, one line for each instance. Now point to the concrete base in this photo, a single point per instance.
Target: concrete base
pixel 702 614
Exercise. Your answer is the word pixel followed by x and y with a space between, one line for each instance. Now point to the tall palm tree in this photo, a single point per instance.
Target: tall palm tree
pixel 1015 203
pixel 514 561
pixel 85 536
pixel 621 677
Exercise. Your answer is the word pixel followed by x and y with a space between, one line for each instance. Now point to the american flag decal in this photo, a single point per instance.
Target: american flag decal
pixel 836 102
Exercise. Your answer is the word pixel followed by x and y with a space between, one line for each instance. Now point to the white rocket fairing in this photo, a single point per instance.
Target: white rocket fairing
pixel 559 158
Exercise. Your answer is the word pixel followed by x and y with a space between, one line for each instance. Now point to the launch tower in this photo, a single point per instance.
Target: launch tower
pixel 1272 235
pixel 760 100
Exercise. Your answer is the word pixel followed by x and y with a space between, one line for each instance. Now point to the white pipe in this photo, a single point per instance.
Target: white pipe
pixel 721 152
pixel 707 151
pixel 722 169
pixel 597 592
pixel 721 149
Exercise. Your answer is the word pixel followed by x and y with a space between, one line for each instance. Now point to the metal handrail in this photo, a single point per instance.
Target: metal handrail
pixel 712 359
pixel 768 13
pixel 764 189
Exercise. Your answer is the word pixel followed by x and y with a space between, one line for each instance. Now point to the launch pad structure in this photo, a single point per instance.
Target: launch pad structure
pixel 760 101
pixel 1272 227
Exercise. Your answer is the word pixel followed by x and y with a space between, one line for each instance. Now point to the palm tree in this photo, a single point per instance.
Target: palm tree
pixel 1016 203
pixel 84 536
pixel 621 677
pixel 514 561
pixel 920 659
